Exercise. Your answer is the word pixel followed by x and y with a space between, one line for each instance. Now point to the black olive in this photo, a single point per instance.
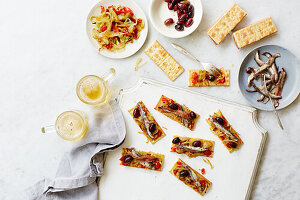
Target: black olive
pixel 197 143
pixel 152 127
pixel 232 144
pixel 211 77
pixel 176 140
pixel 184 173
pixel 179 27
pixel 128 159
pixel 173 106
pixel 220 120
pixel 193 115
pixel 136 113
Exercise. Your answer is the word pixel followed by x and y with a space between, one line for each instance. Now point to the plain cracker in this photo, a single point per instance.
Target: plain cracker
pixel 254 32
pixel 226 23
pixel 164 60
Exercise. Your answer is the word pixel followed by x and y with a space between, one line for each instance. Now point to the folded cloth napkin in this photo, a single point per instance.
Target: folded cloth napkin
pixel 78 169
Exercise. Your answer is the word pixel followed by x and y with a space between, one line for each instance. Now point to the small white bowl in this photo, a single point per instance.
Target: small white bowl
pixel 159 12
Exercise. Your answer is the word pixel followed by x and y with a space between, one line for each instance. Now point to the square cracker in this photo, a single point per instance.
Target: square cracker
pixel 164 60
pixel 254 32
pixel 226 23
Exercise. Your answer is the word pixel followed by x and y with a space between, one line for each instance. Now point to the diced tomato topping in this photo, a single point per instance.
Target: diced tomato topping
pixel 175 171
pixel 227 145
pixel 157 165
pixel 115 29
pixel 195 77
pixel 207 153
pixel 103 28
pixel 122 158
pixel 102 9
pixel 139 21
pixel 221 80
pixel 125 164
pixel 179 163
pixel 159 133
pixel 164 99
pixel 173 149
pixel 222 137
pixel 203 183
pixel 109 46
pixel 142 166
pixel 202 171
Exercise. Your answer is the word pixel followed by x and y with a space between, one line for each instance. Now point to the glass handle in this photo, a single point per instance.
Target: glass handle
pixel 48 129
pixel 108 76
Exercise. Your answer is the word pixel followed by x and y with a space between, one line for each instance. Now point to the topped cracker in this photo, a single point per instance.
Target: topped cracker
pixel 198 78
pixel 221 128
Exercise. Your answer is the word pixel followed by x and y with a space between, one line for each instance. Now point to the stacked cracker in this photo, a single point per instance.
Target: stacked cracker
pixel 245 36
pixel 164 61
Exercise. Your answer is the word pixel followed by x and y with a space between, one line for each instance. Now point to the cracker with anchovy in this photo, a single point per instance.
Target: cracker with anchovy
pixel 141 159
pixel 221 128
pixel 177 112
pixel 192 147
pixel 201 78
pixel 146 122
pixel 190 177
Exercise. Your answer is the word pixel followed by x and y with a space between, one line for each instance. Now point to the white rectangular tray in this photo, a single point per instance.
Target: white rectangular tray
pixel 233 174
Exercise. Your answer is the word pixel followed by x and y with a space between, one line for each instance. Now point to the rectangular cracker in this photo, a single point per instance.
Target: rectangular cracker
pixel 164 60
pixel 180 166
pixel 254 32
pixel 155 164
pixel 158 133
pixel 165 101
pixel 206 145
pixel 225 139
pixel 226 23
pixel 197 78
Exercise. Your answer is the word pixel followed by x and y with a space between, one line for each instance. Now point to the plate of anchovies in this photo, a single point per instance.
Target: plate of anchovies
pixel 270 75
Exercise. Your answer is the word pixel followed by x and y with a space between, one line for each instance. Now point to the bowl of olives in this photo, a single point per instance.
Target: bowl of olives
pixel 175 18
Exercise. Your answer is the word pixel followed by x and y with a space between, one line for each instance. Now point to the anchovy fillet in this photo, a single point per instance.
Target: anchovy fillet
pixel 190 148
pixel 186 120
pixel 223 129
pixel 145 121
pixel 194 177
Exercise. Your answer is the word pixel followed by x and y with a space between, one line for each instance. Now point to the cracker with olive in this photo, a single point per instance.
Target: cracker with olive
pixel 201 78
pixel 190 177
pixel 146 122
pixel 164 60
pixel 141 159
pixel 177 112
pixel 221 128
pixel 192 147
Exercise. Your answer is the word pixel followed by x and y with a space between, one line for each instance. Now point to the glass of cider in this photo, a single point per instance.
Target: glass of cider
pixel 69 125
pixel 95 90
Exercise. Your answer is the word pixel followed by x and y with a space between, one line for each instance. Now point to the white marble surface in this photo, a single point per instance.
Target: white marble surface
pixel 45 51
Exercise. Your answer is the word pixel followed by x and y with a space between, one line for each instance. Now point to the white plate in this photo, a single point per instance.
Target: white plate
pixel 159 12
pixel 233 174
pixel 130 48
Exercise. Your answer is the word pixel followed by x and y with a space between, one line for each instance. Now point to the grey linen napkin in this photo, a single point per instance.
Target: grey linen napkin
pixel 78 169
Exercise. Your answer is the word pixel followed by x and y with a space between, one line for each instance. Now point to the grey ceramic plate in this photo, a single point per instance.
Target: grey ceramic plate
pixel 291 87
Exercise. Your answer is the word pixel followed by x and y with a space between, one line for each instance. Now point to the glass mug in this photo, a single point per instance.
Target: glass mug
pixel 95 90
pixel 69 125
